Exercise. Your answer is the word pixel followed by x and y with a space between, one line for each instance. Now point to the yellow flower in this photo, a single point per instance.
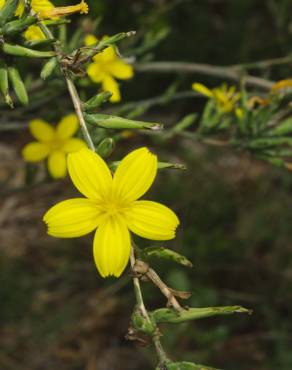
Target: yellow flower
pixel 34 33
pixel 112 207
pixel 53 143
pixel 46 10
pixel 106 67
pixel 281 86
pixel 225 97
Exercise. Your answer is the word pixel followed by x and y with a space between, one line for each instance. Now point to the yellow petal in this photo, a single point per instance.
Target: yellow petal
pixel 67 127
pixel 41 130
pixel 111 247
pixel 20 9
pixel 95 73
pixel 2 2
pixel 135 174
pixel 90 40
pixel 72 218
pixel 41 6
pixel 89 174
pixel 35 152
pixel 121 70
pixel 110 84
pixel 152 220
pixel 57 164
pixel 108 55
pixel 202 89
pixel 73 145
pixel 34 33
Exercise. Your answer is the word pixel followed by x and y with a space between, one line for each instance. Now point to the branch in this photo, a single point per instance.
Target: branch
pixel 229 73
pixel 139 299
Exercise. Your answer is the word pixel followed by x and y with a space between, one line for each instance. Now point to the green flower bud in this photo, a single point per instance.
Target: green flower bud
pixel 106 147
pixel 96 101
pixel 8 11
pixel 21 51
pixel 48 68
pixel 18 85
pixel 4 84
pixel 19 25
pixel 113 122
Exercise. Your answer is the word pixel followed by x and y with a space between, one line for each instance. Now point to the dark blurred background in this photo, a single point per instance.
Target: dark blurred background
pixel 236 216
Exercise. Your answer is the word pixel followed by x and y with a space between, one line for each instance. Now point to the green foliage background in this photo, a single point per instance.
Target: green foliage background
pixel 235 214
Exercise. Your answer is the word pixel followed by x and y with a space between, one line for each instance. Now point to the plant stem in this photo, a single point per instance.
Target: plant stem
pixel 71 88
pixel 77 105
pixel 140 302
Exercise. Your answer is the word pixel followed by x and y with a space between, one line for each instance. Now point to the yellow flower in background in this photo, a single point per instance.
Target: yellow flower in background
pixel 53 143
pixel 282 86
pixel 106 67
pixel 46 10
pixel 112 207
pixel 225 97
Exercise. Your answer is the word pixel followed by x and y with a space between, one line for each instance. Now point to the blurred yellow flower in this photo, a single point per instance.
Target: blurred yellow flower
pixel 106 67
pixel 282 85
pixel 225 97
pixel 53 143
pixel 112 207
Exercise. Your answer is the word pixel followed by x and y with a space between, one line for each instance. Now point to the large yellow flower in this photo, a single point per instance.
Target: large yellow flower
pixel 112 207
pixel 53 143
pixel 106 67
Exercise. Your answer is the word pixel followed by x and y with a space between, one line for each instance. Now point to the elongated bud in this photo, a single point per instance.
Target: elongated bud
pixel 61 11
pixel 96 101
pixel 18 85
pixel 168 254
pixel 185 366
pixel 21 51
pixel 168 165
pixel 168 315
pixel 18 26
pixel 114 122
pixel 8 11
pixel 160 165
pixel 4 84
pixel 106 147
pixel 48 68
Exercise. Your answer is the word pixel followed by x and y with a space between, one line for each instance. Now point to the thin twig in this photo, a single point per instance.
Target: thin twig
pixel 204 69
pixel 140 302
pixel 71 88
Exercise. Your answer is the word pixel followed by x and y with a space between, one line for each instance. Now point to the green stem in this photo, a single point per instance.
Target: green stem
pixel 72 90
pixel 140 302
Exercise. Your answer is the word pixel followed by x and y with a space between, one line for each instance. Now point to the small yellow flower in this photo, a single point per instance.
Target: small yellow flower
pixel 106 67
pixel 112 207
pixel 46 10
pixel 225 97
pixel 53 143
pixel 281 86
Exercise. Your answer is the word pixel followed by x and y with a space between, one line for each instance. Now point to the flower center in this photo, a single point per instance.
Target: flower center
pixel 113 208
pixel 56 144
